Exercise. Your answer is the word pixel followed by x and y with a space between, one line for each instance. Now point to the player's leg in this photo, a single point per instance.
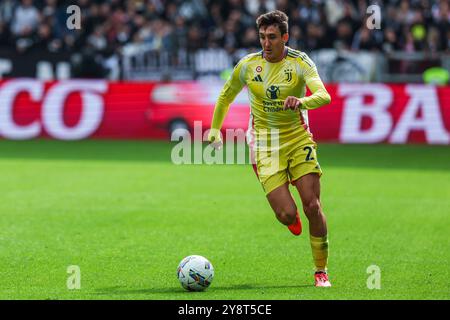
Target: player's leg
pixel 271 172
pixel 283 204
pixel 285 209
pixel 305 172
pixel 308 187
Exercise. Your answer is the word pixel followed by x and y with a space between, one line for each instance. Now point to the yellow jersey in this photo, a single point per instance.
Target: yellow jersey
pixel 269 84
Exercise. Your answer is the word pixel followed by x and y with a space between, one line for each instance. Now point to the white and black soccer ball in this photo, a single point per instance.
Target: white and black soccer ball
pixel 195 273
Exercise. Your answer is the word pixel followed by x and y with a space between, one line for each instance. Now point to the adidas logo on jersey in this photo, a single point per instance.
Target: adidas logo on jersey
pixel 257 78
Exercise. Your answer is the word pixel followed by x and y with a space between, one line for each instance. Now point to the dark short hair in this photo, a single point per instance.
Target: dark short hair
pixel 276 17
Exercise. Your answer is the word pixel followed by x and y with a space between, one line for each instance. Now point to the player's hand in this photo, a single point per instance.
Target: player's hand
pixel 214 139
pixel 291 103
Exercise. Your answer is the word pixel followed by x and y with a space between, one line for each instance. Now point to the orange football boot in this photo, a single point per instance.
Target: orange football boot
pixel 296 227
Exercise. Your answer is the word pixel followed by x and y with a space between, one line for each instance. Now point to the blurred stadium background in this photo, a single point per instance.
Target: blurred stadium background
pixel 135 71
pixel 197 39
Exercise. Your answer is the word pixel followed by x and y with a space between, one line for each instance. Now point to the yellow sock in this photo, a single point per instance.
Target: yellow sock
pixel 319 247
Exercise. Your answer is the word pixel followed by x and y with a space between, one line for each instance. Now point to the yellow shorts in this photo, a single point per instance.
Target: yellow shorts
pixel 289 164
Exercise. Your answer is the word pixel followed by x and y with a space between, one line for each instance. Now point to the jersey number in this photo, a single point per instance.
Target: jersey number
pixel 308 156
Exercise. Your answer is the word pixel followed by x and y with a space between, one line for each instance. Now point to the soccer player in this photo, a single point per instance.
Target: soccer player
pixel 278 136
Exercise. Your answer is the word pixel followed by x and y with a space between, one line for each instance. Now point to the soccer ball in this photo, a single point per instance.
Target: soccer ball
pixel 195 273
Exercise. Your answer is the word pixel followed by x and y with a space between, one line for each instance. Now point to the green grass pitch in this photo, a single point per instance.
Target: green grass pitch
pixel 123 213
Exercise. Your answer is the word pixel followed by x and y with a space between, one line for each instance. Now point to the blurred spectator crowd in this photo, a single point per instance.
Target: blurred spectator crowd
pixel 191 24
pixel 171 25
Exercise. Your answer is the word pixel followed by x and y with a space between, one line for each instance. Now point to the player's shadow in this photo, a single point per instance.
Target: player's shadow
pixel 118 290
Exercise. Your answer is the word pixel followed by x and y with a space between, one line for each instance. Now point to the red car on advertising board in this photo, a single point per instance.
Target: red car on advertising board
pixel 179 105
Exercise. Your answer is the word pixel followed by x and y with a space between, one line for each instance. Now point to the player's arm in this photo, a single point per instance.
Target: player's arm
pixel 319 94
pixel 229 92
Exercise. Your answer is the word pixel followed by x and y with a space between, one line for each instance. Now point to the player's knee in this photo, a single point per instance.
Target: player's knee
pixel 312 208
pixel 287 215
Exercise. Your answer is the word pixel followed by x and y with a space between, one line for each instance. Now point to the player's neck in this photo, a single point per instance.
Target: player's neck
pixel 280 58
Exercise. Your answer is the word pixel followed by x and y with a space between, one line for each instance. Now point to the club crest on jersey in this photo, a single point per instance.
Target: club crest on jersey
pixel 258 69
pixel 273 92
pixel 288 73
